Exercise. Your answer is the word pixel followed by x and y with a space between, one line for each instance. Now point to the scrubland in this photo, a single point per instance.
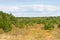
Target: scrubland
pixel 29 28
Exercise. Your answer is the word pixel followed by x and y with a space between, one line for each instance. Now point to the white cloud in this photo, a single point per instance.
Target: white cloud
pixel 8 8
pixel 27 7
pixel 36 8
pixel 46 7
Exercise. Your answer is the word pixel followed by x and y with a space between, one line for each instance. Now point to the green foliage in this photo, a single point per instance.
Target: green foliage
pixel 58 25
pixel 6 20
pixel 48 21
pixel 49 26
pixel 39 22
pixel 6 27
pixel 20 25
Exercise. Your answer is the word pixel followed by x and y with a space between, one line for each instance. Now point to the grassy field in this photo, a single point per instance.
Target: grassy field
pixel 31 33
pixel 29 28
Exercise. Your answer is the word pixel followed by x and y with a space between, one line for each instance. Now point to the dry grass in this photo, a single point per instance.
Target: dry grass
pixel 33 33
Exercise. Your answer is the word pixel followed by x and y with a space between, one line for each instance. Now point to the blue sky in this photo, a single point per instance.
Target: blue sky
pixel 31 8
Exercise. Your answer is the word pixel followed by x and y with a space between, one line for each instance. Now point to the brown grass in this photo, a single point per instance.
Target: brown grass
pixel 33 33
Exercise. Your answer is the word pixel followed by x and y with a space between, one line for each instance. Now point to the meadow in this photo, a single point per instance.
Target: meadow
pixel 29 28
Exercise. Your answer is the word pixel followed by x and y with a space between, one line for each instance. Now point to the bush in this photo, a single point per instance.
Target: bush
pixel 58 25
pixel 20 24
pixel 48 26
pixel 6 26
pixel 5 21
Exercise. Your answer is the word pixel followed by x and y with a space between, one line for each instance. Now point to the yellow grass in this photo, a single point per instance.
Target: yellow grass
pixel 33 33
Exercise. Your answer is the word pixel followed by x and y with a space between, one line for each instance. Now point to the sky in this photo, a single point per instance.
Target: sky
pixel 31 8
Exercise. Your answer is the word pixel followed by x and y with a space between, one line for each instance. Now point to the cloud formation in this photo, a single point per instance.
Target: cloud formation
pixel 34 10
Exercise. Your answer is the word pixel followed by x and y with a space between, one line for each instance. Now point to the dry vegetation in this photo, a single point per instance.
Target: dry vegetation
pixel 26 28
pixel 33 33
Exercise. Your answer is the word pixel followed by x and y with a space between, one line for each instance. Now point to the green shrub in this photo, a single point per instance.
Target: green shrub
pixel 58 25
pixel 20 24
pixel 6 20
pixel 48 26
pixel 38 21
pixel 6 26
